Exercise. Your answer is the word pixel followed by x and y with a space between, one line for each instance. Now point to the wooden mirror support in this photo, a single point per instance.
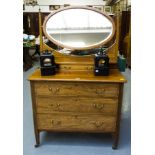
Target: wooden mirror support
pixel 68 62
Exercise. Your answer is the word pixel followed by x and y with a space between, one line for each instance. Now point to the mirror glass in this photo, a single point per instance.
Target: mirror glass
pixel 79 28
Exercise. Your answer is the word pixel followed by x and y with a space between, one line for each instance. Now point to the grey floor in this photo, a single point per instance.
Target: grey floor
pixel 75 143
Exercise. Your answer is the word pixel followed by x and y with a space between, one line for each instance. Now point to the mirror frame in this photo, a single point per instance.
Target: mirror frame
pixel 103 42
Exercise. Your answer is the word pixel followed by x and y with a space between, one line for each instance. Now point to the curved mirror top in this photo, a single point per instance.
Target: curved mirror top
pixel 79 28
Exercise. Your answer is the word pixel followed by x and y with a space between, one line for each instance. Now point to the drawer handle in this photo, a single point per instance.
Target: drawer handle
pixel 67 68
pixel 100 91
pixel 98 124
pixel 98 106
pixel 89 68
pixel 55 123
pixel 57 105
pixel 56 90
pixel 50 89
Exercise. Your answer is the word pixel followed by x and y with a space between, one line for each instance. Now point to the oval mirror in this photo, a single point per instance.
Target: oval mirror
pixel 79 28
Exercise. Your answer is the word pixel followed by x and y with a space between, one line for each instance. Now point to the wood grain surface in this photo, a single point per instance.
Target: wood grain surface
pixel 114 76
pixel 69 122
pixel 77 104
pixel 76 89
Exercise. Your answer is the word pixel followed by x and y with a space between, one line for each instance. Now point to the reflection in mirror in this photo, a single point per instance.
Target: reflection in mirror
pixel 85 52
pixel 79 28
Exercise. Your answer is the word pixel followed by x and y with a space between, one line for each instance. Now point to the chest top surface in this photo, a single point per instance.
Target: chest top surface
pixel 114 76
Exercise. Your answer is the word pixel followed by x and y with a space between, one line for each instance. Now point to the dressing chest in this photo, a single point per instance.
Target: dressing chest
pixel 77 102
pixel 74 99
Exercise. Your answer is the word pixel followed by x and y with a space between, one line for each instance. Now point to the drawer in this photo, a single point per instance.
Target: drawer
pixel 76 89
pixel 96 123
pixel 76 67
pixel 75 104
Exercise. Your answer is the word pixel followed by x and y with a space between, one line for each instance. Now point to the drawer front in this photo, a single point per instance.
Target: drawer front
pixel 75 122
pixel 76 89
pixel 76 67
pixel 75 104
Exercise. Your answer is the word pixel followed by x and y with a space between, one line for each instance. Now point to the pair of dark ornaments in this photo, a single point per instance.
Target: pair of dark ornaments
pixel 49 67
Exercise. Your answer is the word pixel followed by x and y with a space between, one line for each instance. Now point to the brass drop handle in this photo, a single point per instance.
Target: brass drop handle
pixel 56 90
pixel 55 122
pixel 67 68
pixel 89 68
pixel 98 106
pixel 98 124
pixel 58 105
pixel 50 89
pixel 100 91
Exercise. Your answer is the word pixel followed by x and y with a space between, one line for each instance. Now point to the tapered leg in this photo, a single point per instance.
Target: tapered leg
pixel 37 138
pixel 36 131
pixel 116 133
pixel 115 140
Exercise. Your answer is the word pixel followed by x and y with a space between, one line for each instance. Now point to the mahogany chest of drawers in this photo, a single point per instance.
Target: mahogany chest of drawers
pixel 77 102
